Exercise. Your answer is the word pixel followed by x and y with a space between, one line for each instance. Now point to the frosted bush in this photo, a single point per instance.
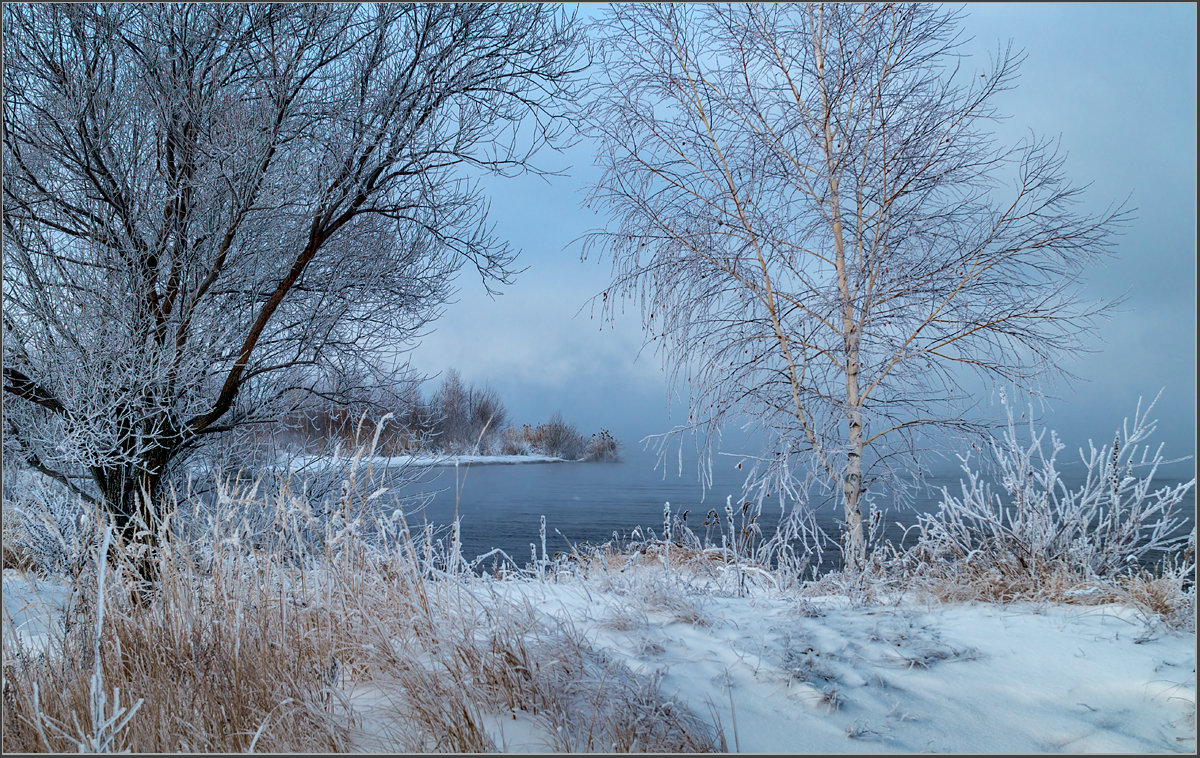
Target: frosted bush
pixel 602 447
pixel 513 444
pixel 1032 522
pixel 45 524
pixel 560 439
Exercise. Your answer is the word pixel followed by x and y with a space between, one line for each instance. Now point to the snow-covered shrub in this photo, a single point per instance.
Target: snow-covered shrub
pixel 560 439
pixel 602 447
pixel 515 441
pixel 1025 524
pixel 44 526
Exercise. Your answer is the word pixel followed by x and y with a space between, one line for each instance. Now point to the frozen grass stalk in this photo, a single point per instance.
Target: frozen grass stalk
pixel 667 535
pixel 105 726
pixel 542 536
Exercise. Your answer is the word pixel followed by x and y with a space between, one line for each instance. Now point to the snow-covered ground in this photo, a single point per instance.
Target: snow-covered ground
pixel 32 608
pixel 817 675
pixel 783 673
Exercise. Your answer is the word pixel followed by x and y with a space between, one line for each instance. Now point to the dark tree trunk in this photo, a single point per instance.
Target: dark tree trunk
pixel 131 494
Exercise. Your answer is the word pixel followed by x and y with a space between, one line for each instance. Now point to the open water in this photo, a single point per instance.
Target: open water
pixel 500 506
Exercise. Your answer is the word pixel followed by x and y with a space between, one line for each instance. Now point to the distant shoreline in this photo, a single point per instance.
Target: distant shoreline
pixel 302 462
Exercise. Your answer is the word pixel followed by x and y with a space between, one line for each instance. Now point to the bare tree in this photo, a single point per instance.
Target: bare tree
pixel 488 416
pixel 821 230
pixel 452 406
pixel 467 417
pixel 209 207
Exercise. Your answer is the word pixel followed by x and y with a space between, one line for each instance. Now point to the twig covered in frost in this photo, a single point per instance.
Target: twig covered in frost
pixel 1113 520
pixel 667 535
pixel 542 535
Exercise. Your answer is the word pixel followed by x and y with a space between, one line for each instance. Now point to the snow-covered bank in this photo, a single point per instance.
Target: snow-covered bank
pixel 310 462
pixel 778 671
pixel 816 675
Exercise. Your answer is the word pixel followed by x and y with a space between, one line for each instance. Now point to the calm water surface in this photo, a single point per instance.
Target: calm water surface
pixel 500 506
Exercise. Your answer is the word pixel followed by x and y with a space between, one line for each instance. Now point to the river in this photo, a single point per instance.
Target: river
pixel 500 506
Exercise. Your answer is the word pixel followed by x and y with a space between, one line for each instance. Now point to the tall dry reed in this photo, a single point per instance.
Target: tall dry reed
pixel 280 625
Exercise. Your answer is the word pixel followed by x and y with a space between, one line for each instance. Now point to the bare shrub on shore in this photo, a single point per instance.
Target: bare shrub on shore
pixel 516 441
pixel 559 438
pixel 1030 535
pixel 602 446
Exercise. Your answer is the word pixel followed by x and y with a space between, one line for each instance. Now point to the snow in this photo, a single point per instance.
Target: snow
pixel 398 461
pixel 375 731
pixel 32 607
pixel 786 673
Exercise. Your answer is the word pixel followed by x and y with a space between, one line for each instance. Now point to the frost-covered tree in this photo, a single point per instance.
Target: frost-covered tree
pixel 452 406
pixel 466 417
pixel 487 417
pixel 822 231
pixel 210 209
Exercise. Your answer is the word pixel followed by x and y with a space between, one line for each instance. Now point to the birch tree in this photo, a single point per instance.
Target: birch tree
pixel 209 209
pixel 824 235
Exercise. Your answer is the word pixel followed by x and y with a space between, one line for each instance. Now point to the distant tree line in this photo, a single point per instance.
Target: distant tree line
pixel 456 418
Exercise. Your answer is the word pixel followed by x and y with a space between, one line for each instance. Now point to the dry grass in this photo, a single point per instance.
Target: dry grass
pixel 18 557
pixel 1160 596
pixel 274 629
pixel 698 568
pixel 253 643
pixel 1167 596
pixel 603 559
pixel 501 663
pixel 220 663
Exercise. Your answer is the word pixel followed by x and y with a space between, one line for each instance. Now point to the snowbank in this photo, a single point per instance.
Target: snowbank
pixel 783 673
pixel 818 676
pixel 32 609
pixel 309 462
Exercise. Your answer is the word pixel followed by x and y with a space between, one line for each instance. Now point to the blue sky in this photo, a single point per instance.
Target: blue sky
pixel 1117 82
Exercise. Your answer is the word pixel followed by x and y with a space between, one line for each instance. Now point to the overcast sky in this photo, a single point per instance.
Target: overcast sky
pixel 1116 81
